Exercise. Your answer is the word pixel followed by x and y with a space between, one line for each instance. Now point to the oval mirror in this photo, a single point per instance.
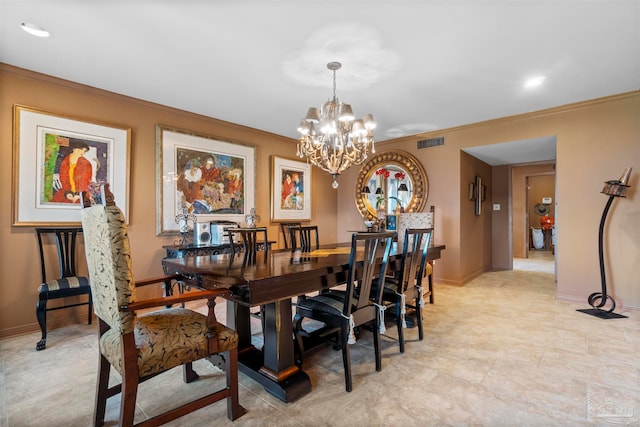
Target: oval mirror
pixel 391 182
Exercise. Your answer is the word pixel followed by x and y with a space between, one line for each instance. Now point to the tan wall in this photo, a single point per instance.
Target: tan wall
pixel 596 140
pixel 502 242
pixel 475 247
pixel 19 265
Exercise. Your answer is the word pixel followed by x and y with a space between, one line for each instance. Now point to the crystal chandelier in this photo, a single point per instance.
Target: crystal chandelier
pixel 332 138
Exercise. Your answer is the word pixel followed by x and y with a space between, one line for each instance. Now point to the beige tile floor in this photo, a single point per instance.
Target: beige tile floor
pixel 498 351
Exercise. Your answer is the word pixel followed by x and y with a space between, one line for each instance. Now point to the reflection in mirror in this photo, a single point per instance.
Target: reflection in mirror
pixel 391 182
pixel 390 189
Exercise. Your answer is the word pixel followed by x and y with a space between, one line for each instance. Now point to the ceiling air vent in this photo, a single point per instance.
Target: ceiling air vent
pixel 431 142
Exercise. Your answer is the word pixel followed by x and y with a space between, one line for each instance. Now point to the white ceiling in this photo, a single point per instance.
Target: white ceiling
pixel 514 152
pixel 415 65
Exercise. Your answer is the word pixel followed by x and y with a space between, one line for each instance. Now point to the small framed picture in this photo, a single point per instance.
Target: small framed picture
pixel 392 222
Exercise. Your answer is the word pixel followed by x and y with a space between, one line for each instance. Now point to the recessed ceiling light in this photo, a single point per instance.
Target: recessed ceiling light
pixel 534 82
pixel 34 29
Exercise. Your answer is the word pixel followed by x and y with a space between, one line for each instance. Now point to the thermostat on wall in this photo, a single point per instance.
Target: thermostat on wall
pixel 546 200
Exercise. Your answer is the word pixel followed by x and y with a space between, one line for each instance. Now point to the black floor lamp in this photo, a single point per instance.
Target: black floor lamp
pixel 598 300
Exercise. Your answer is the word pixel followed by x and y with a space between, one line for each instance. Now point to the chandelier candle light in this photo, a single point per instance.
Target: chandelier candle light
pixel 332 138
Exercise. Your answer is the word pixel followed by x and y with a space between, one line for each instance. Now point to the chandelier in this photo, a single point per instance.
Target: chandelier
pixel 332 138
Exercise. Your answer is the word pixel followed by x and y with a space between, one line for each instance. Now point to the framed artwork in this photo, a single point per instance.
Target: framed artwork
pixel 56 157
pixel 200 175
pixel 392 223
pixel 290 190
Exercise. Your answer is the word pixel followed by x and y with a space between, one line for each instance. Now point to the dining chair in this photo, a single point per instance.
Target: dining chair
pixel 140 346
pixel 251 242
pixel 304 237
pixel 405 289
pixel 344 311
pixel 284 228
pixel 67 284
pixel 251 245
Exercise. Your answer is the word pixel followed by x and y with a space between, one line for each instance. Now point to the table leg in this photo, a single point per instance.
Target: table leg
pixel 274 367
pixel 238 318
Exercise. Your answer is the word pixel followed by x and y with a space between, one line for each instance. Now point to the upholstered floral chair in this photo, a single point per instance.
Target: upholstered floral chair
pixel 141 346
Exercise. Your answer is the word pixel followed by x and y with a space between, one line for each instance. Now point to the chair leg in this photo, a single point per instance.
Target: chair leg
pixel 128 396
pixel 399 325
pixel 234 409
pixel 430 281
pixel 101 391
pixel 188 374
pixel 376 344
pixel 419 320
pixel 41 314
pixel 298 342
pixel 90 315
pixel 346 356
pixel 130 380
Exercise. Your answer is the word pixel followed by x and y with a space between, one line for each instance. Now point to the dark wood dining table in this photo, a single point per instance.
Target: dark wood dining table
pixel 271 282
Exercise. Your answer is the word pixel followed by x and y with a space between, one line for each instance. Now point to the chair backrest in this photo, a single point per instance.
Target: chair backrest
pixel 109 263
pixel 284 228
pixel 302 237
pixel 368 260
pixel 253 239
pixel 66 245
pixel 414 257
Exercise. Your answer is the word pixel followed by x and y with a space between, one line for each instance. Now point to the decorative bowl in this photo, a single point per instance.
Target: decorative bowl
pixel 369 224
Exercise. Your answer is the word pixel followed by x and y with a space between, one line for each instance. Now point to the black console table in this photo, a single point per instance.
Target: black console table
pixel 186 251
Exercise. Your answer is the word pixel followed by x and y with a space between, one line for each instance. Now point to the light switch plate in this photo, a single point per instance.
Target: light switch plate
pixel 496 206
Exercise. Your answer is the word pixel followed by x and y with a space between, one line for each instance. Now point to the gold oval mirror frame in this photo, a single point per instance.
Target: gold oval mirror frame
pixel 394 160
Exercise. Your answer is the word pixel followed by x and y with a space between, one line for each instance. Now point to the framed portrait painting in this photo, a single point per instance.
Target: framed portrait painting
pixel 56 157
pixel 200 175
pixel 290 190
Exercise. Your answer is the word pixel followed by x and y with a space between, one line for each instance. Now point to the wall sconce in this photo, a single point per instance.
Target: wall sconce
pixel 365 190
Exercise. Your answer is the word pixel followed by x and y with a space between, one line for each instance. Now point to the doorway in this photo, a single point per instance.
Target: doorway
pixel 533 184
pixel 540 212
pixel 511 162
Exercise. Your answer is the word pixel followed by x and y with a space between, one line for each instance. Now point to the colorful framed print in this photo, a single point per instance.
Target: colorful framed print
pixel 56 157
pixel 200 175
pixel 290 190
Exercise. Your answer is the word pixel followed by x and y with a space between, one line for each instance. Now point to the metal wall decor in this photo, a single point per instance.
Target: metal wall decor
pixel 477 193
